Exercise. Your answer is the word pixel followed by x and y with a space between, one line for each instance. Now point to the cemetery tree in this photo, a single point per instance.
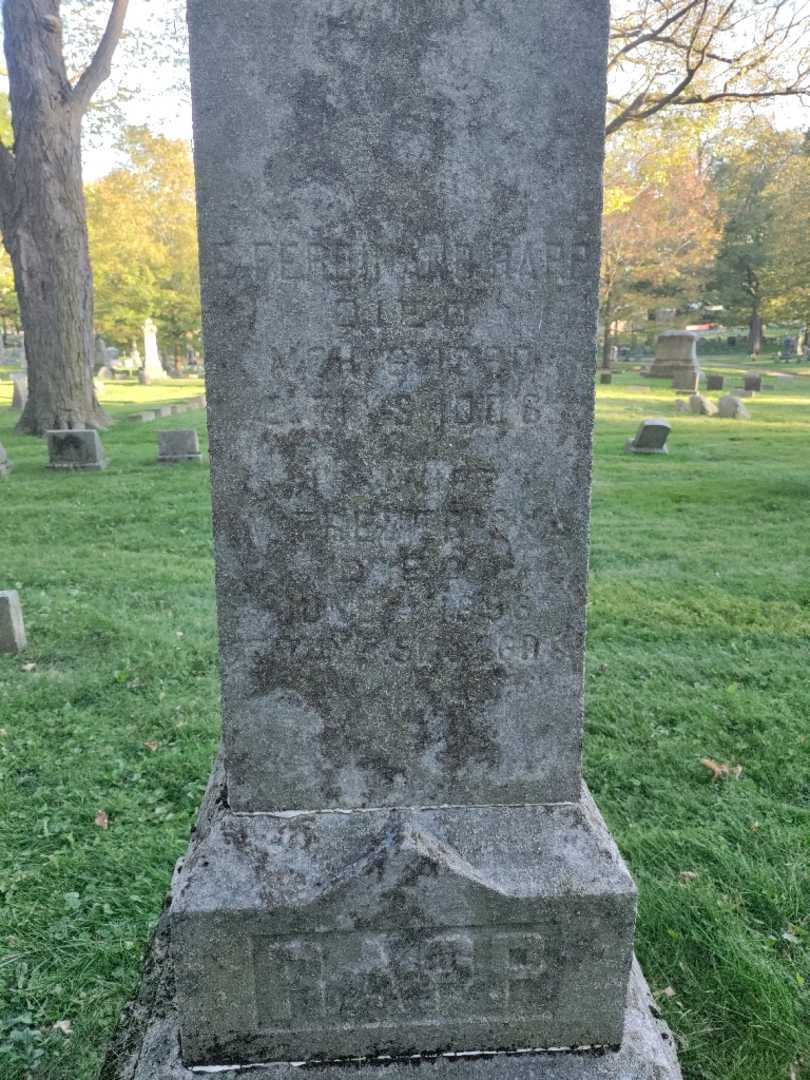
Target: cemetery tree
pixel 747 167
pixel 787 273
pixel 42 210
pixel 676 54
pixel 143 242
pixel 659 235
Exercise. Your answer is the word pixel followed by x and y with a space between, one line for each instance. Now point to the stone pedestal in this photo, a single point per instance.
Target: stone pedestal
pixel 399 208
pixel 676 358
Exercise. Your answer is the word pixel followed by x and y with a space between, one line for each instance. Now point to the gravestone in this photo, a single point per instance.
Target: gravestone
pixel 682 406
pixel 152 366
pixel 702 406
pixel 178 445
pixel 753 383
pixel 19 393
pixel 651 438
pixel 731 408
pixel 75 450
pixel 686 381
pixel 676 356
pixel 6 465
pixel 715 382
pixel 12 626
pixel 397 858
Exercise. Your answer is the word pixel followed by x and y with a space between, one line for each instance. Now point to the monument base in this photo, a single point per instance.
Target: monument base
pixel 147 1046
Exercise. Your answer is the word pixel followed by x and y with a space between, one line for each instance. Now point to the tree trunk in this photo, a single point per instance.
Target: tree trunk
pixel 607 311
pixel 45 227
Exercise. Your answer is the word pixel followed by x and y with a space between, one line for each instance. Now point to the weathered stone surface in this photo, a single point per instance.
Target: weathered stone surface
pixel 399 210
pixel 147 1046
pixel 75 450
pixel 178 445
pixel 6 464
pixel 400 931
pixel 753 383
pixel 731 408
pixel 715 382
pixel 675 352
pixel 12 626
pixel 702 406
pixel 399 253
pixel 651 438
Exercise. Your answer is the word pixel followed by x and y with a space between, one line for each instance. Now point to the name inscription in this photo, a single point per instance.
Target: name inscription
pixel 370 979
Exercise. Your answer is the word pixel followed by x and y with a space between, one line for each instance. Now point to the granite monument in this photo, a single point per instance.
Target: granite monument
pixel 397 861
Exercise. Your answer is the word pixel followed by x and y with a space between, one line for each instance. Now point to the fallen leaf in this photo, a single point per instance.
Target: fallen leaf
pixel 667 993
pixel 3 733
pixel 720 770
pixel 755 826
pixel 28 667
pixel 180 633
pixel 604 669
pixel 103 820
pixel 152 745
pixel 64 1026
pixel 788 936
pixel 687 875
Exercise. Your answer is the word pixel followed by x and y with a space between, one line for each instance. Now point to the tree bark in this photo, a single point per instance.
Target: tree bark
pixel 44 220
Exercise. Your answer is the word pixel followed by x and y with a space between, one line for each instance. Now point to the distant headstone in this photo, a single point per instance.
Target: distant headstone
pixel 675 354
pixel 6 465
pixel 614 355
pixel 715 382
pixel 651 438
pixel 682 406
pixel 147 415
pixel 12 626
pixel 178 445
pixel 19 393
pixel 164 410
pixel 686 381
pixel 80 449
pixel 731 341
pixel 606 378
pixel 400 216
pixel 789 347
pixel 101 357
pixel 151 354
pixel 753 383
pixel 731 408
pixel 702 406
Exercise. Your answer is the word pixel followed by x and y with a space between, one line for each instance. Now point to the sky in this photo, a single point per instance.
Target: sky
pixel 168 111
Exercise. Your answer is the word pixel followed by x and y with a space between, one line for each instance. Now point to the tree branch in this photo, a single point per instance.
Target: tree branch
pixel 99 67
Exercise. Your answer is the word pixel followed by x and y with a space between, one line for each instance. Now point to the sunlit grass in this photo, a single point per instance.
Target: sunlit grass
pixel 699 631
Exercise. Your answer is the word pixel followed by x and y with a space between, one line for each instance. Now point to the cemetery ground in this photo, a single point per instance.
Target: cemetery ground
pixel 698 652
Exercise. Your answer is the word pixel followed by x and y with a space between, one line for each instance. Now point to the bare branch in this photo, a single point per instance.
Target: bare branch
pixel 99 67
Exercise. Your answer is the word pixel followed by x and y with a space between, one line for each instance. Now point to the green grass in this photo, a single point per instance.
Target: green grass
pixel 699 629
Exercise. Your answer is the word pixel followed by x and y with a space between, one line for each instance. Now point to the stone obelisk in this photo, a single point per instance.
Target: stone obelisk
pixel 397 861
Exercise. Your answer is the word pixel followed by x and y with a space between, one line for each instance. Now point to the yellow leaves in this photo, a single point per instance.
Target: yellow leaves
pixel 720 770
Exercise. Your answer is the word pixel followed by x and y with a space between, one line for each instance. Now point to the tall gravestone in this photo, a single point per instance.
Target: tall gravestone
pixel 152 365
pixel 399 212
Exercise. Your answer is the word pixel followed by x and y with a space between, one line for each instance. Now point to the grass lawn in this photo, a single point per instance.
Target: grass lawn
pixel 699 648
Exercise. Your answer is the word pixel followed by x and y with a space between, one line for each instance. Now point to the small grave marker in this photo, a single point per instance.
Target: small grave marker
pixel 12 626
pixel 651 438
pixel 178 445
pixel 75 450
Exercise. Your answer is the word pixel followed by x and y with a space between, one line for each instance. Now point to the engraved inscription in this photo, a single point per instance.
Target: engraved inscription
pixel 369 979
